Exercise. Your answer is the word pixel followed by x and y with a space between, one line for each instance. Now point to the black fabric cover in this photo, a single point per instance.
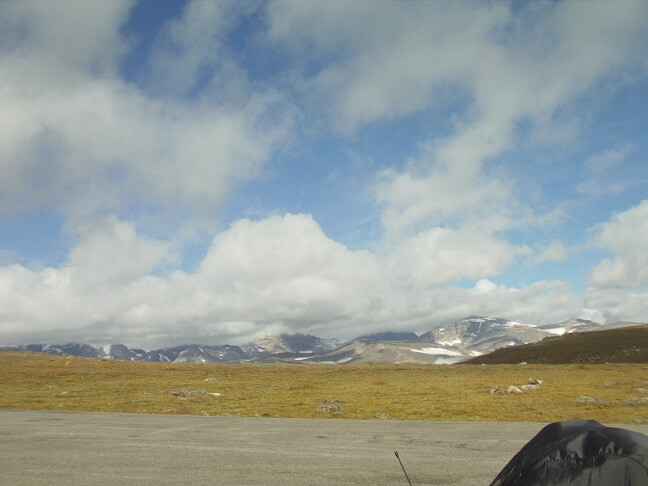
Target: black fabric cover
pixel 579 452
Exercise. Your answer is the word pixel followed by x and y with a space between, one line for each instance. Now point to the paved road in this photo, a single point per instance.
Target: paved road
pixel 89 448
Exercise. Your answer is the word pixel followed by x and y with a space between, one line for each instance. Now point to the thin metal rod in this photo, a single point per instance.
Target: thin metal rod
pixel 403 468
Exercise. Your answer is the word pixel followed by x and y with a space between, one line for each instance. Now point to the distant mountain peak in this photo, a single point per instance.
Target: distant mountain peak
pixel 457 341
pixel 390 336
pixel 580 321
pixel 294 343
pixel 570 325
pixel 482 334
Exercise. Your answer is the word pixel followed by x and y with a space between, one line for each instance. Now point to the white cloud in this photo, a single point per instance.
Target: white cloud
pixel 506 69
pixel 84 142
pixel 626 236
pixel 190 56
pixel 612 305
pixel 66 35
pixel 110 252
pixel 511 66
pixel 485 286
pixel 593 315
pixel 540 302
pixel 421 310
pixel 451 194
pixel 104 144
pixel 285 269
pixel 600 179
pixel 424 44
pixel 598 186
pixel 282 273
pixel 278 274
pixel 442 255
pixel 35 299
pixel 610 158
pixel 555 251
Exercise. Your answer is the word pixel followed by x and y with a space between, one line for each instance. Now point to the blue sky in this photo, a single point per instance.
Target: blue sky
pixel 178 172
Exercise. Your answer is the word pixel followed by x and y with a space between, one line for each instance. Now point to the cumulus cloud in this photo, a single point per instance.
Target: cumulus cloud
pixel 625 235
pixel 442 255
pixel 421 310
pixel 285 267
pixel 35 299
pixel 65 36
pixel 104 143
pixel 450 195
pixel 540 302
pixel 280 274
pixel 110 252
pixel 612 305
pixel 86 142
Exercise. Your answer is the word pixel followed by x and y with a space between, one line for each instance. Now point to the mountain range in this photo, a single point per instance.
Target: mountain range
pixel 456 342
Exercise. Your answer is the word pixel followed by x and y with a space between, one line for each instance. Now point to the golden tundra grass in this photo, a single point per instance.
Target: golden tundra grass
pixel 411 392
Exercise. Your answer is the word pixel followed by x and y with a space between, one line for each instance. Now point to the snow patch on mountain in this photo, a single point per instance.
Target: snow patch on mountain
pixel 441 351
pixel 448 360
pixel 454 342
pixel 557 330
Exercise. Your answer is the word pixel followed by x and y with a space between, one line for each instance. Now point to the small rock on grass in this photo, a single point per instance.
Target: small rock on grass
pixel 635 401
pixel 327 405
pixel 530 387
pixel 385 416
pixel 330 408
pixel 194 393
pixel 586 399
pixel 608 383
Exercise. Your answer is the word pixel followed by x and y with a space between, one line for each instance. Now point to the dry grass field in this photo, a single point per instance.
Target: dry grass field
pixel 386 391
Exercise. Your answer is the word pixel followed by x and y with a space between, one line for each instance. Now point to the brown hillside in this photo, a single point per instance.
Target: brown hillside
pixel 621 345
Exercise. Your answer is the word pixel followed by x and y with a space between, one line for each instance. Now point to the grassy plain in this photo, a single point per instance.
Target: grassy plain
pixel 387 391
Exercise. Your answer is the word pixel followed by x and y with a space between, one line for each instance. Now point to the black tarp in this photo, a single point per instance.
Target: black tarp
pixel 579 453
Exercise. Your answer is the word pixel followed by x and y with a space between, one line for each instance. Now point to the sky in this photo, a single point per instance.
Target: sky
pixel 208 172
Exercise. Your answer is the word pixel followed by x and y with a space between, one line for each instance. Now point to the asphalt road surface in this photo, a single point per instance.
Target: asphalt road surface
pixel 92 448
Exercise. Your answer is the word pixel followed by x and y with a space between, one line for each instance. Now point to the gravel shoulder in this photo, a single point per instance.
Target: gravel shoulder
pixel 43 447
